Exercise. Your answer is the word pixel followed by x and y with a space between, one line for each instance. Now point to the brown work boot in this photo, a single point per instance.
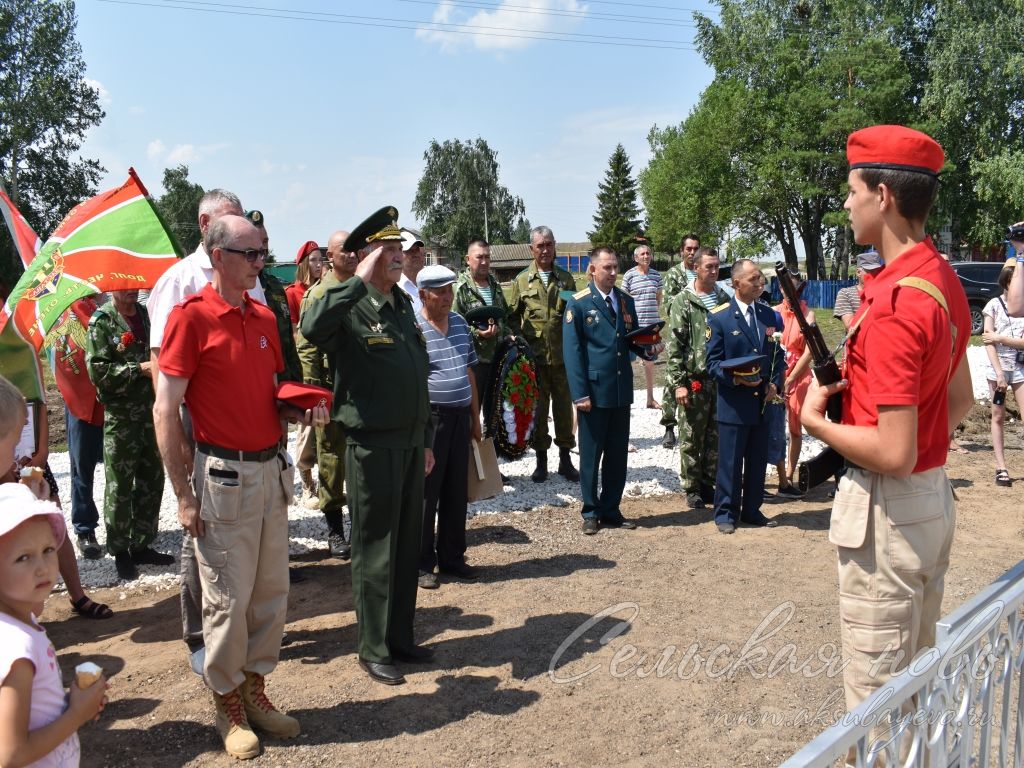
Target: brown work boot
pixel 233 726
pixel 261 713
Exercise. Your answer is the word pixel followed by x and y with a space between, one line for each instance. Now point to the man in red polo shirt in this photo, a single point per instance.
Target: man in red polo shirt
pixel 221 353
pixel 907 386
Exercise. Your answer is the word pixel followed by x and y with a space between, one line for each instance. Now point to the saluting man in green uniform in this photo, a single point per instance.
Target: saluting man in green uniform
pixel 317 365
pixel 380 397
pixel 539 295
pixel 117 358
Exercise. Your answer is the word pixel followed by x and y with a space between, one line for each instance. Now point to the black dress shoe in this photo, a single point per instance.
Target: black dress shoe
pixel 761 522
pixel 461 571
pixel 589 526
pixel 382 673
pixel 629 525
pixel 150 556
pixel 726 528
pixel 416 654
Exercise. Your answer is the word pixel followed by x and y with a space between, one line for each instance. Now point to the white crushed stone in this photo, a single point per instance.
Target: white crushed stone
pixel 653 471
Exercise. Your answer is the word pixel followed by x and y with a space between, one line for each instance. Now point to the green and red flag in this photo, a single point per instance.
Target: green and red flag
pixel 113 242
pixel 19 361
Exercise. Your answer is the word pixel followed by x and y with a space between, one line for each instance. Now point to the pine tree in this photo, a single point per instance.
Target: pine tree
pixel 617 221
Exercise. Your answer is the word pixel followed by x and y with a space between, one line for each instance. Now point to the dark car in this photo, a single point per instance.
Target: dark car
pixel 979 281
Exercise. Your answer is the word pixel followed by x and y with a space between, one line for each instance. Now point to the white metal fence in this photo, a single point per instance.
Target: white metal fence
pixel 957 704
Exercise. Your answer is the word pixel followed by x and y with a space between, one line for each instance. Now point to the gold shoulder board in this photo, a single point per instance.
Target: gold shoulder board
pixel 581 294
pixel 720 307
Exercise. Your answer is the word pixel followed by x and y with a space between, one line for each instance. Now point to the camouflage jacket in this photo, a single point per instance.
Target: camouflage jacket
pixel 467 297
pixel 316 363
pixel 278 303
pixel 535 312
pixel 673 281
pixel 687 335
pixel 114 358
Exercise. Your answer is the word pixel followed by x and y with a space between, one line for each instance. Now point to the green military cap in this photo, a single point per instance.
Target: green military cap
pixel 256 217
pixel 380 226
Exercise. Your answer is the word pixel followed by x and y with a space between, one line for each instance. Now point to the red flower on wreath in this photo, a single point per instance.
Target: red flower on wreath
pixel 517 379
pixel 127 338
pixel 695 386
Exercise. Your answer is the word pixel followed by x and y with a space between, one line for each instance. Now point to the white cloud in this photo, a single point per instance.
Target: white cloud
pixel 136 110
pixel 511 26
pixel 158 152
pixel 183 153
pixel 104 94
pixel 156 149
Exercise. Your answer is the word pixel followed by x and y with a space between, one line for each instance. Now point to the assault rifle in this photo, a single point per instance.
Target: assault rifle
pixel 817 470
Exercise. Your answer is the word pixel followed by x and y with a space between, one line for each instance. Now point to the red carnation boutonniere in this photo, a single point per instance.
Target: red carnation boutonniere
pixel 127 339
pixel 769 333
pixel 695 386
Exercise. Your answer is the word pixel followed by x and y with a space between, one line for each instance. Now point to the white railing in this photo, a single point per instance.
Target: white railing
pixel 957 704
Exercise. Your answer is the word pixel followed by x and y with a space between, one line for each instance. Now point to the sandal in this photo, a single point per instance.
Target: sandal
pixel 90 609
pixel 1003 478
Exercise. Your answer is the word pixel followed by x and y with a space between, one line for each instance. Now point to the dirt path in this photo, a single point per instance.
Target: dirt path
pixel 675 586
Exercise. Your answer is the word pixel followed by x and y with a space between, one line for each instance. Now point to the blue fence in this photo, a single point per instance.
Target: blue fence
pixel 573 262
pixel 819 294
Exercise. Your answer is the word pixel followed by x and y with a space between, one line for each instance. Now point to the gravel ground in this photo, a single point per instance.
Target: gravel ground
pixel 653 471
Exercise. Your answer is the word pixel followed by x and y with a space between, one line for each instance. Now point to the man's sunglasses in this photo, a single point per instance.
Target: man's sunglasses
pixel 251 254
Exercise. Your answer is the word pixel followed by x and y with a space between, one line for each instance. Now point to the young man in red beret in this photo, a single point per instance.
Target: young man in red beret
pixel 906 386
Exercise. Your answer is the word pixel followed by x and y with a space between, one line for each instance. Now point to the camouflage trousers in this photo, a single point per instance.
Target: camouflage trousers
pixel 330 450
pixel 135 478
pixel 669 407
pixel 553 386
pixel 698 441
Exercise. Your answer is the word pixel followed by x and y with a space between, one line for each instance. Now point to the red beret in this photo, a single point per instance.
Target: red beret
pixel 894 147
pixel 307 248
pixel 304 396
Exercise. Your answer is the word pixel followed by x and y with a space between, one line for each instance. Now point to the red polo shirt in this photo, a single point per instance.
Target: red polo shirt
pixel 294 294
pixel 904 352
pixel 230 361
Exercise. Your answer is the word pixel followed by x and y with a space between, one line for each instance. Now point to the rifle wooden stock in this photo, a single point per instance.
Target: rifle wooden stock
pixel 817 470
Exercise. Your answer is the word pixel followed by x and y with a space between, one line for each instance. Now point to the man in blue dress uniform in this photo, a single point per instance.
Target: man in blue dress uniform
pixel 596 355
pixel 740 329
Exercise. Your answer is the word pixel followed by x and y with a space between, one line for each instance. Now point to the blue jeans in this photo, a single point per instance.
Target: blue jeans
pixel 85 449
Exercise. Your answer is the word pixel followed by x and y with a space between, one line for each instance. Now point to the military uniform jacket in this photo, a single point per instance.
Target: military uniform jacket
pixel 595 349
pixel 729 335
pixel 535 312
pixel 380 363
pixel 115 367
pixel 468 297
pixel 317 364
pixel 273 289
pixel 687 336
pixel 674 281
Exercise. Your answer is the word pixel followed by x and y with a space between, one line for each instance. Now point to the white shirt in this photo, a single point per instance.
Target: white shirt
pixel 743 311
pixel 412 292
pixel 190 275
pixel 604 298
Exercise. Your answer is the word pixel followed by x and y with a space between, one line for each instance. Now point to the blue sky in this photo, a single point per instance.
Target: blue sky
pixel 318 120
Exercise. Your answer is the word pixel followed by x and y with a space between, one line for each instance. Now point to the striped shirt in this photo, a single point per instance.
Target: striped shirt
pixel 450 359
pixel 644 290
pixel 485 293
pixel 709 300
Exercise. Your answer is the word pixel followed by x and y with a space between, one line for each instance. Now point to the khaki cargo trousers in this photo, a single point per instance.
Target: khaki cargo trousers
pixel 243 564
pixel 893 537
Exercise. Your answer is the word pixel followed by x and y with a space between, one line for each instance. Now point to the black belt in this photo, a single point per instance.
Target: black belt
pixel 232 455
pixel 449 408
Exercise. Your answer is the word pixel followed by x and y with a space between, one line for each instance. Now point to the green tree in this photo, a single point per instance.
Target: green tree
pixel 974 103
pixel 179 206
pixel 47 107
pixel 617 222
pixel 762 154
pixel 459 196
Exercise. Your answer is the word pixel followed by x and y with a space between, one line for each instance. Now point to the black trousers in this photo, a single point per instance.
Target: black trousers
pixel 445 491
